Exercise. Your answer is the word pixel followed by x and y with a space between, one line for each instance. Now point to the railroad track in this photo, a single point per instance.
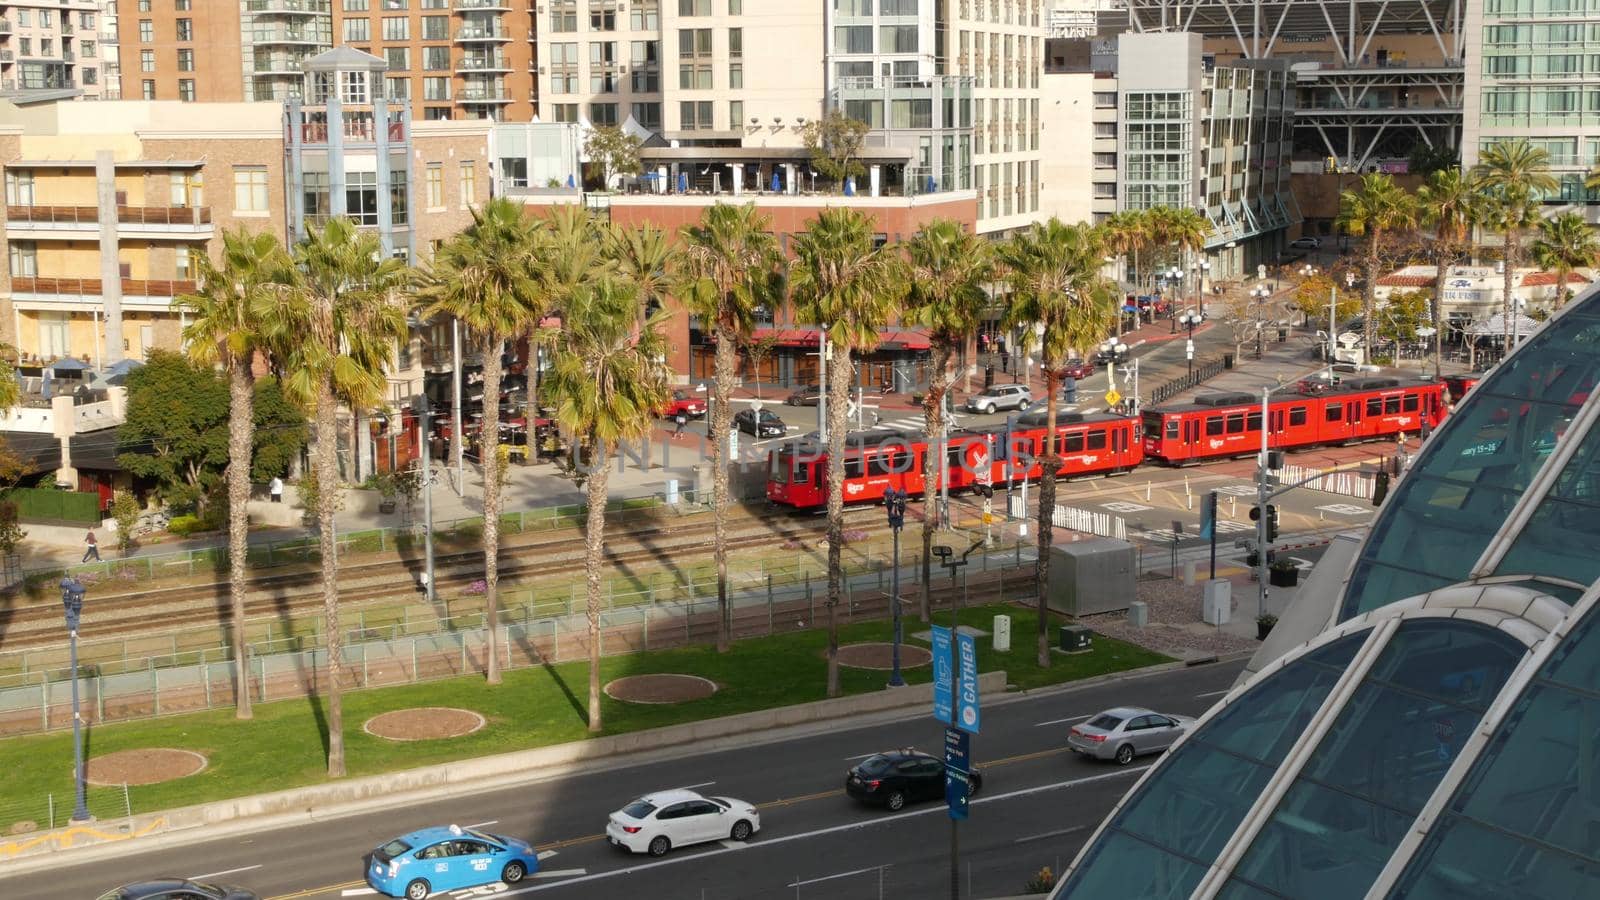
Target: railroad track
pixel 365 584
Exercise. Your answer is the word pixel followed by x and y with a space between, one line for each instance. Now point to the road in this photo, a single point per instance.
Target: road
pixel 1038 806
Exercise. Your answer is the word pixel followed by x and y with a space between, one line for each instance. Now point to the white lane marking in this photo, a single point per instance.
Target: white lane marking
pixel 357 892
pixel 858 756
pixel 483 824
pixel 1059 721
pixel 223 872
pixel 795 884
pixel 690 787
pixel 1212 694
pixel 732 844
pixel 833 829
pixel 546 854
pixel 559 873
pixel 1049 834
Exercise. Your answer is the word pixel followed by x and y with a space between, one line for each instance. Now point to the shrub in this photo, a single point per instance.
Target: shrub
pixel 1041 882
pixel 183 526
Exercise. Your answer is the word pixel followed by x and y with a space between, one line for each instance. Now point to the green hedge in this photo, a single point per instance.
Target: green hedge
pixel 48 505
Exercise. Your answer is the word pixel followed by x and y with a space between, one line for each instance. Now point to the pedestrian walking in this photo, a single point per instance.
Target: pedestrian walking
pixel 682 420
pixel 94 547
pixel 275 488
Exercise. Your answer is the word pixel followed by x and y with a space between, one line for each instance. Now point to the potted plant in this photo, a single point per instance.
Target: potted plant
pixel 1283 573
pixel 408 485
pixel 1264 625
pixel 388 490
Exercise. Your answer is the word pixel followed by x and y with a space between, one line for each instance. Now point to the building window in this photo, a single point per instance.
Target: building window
pixel 897 39
pixel 19 187
pixel 648 115
pixel 147 60
pixel 361 197
pixel 358 29
pixel 357 5
pixel 436 59
pixel 396 28
pixel 185 60
pixel 182 267
pixel 469 181
pixel 735 7
pixel 86 49
pixel 399 198
pixel 353 87
pixel 147 31
pixel 185 29
pixel 187 190
pixel 564 17
pixel 565 112
pixel 398 88
pixel 435 28
pixel 603 114
pixel 186 90
pixel 694 115
pixel 435 184
pixel 602 19
pixel 735 76
pixel 55 330
pixel 735 114
pixel 250 189
pixel 852 38
pixel 148 89
pixel 694 7
pixel 644 17
pixel 436 87
pixel 24 259
pixel 398 58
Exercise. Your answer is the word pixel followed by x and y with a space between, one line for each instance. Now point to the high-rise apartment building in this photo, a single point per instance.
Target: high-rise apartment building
pixel 183 49
pixel 1000 43
pixel 1533 72
pixel 50 46
pixel 109 51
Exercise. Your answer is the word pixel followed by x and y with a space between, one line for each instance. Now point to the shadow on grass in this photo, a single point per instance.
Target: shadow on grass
pixel 579 707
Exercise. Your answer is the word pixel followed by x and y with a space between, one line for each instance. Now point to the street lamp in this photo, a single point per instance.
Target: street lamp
pixel 1115 351
pixel 894 502
pixel 72 602
pixel 1175 278
pixel 1189 320
pixel 1260 294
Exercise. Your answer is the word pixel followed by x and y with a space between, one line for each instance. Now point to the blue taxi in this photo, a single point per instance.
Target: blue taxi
pixel 445 859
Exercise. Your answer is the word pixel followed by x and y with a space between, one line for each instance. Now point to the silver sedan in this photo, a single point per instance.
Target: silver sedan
pixel 1125 732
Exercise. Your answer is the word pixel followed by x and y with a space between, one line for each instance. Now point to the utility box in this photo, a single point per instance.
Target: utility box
pixel 1076 639
pixel 1093 576
pixel 1002 634
pixel 1216 606
pixel 1138 614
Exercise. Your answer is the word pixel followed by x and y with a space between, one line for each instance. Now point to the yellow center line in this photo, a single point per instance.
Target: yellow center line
pixel 771 804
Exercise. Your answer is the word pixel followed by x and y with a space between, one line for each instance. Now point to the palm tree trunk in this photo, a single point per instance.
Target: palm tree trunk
pixel 489 454
pixel 1444 258
pixel 1368 296
pixel 1509 257
pixel 839 376
pixel 932 431
pixel 721 405
pixel 594 546
pixel 241 429
pixel 1047 505
pixel 327 504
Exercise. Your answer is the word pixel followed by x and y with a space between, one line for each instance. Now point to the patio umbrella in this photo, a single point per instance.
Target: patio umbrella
pixel 67 364
pixel 570 182
pixel 849 186
pixel 683 183
pixel 932 185
pixel 776 184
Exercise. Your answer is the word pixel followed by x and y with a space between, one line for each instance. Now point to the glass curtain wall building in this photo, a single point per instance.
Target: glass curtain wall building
pixel 1438 741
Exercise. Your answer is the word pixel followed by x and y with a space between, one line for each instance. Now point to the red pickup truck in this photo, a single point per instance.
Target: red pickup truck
pixel 686 403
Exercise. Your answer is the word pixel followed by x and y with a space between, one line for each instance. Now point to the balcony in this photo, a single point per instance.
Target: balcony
pixel 291 36
pixel 5 26
pixel 482 5
pixel 495 63
pixel 71 222
pixel 68 55
pixel 290 7
pixel 7 56
pixel 67 289
pixel 359 128
pixel 483 95
pixel 479 35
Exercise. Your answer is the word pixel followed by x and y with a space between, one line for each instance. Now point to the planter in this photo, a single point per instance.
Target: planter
pixel 1264 627
pixel 1252 559
pixel 386 506
pixel 1283 577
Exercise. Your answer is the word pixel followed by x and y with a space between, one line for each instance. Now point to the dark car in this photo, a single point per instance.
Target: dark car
pixel 177 889
pixel 807 395
pixel 761 423
pixel 899 777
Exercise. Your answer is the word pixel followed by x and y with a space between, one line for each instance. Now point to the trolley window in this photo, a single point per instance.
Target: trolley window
pixel 1297 415
pixel 1236 423
pixel 1333 412
pixel 1097 440
pixel 780 469
pixel 1173 424
pixel 1374 406
pixel 802 473
pixel 1213 426
pixel 1072 443
pixel 852 467
pixel 1411 402
pixel 1253 422
pixel 1391 405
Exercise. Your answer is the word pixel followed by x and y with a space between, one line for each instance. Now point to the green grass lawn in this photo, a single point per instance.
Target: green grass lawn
pixel 282 746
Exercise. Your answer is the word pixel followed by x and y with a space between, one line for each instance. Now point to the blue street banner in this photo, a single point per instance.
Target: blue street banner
pixel 966 683
pixel 957 763
pixel 1208 516
pixel 943 674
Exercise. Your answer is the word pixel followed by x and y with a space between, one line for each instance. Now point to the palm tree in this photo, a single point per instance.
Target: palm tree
pixel 1054 270
pixel 338 351
pixel 606 386
pixel 1591 181
pixel 1565 243
pixel 845 286
pixel 225 326
pixel 948 268
pixel 731 266
pixel 483 278
pixel 1515 174
pixel 1125 235
pixel 1379 208
pixel 645 257
pixel 1449 202
pixel 1188 229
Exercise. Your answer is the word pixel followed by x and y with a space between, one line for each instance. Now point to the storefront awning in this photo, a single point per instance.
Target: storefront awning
pixel 38 452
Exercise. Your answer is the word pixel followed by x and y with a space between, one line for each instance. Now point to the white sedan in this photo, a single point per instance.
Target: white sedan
pixel 655 823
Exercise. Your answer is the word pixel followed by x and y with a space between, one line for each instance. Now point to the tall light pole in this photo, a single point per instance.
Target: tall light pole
pixel 1260 294
pixel 1189 320
pixel 427 491
pixel 1349 285
pixel 1176 279
pixel 72 601
pixel 894 502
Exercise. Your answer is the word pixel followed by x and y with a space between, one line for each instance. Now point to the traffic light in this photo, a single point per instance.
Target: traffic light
pixel 1274 460
pixel 1380 488
pixel 1272 523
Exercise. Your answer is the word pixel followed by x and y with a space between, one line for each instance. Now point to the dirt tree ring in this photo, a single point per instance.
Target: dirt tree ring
pixel 424 723
pixel 661 688
pixel 150 765
pixel 880 656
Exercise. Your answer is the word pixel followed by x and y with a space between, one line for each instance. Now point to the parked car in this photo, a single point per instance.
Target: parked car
pixel 1077 368
pixel 655 823
pixel 761 424
pixel 686 403
pixel 1125 732
pixel 1306 243
pixel 435 860
pixel 807 395
pixel 898 777
pixel 177 889
pixel 1000 396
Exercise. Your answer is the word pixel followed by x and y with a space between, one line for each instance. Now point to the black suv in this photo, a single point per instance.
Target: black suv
pixel 898 777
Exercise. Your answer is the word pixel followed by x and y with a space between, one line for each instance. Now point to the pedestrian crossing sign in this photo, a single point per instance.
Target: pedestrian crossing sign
pixel 1113 398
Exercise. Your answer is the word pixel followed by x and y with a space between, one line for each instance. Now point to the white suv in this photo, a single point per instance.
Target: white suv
pixel 1000 396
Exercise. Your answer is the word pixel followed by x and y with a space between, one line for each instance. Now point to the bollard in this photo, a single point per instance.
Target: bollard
pixel 1147 490
pixel 1188 574
pixel 1188 500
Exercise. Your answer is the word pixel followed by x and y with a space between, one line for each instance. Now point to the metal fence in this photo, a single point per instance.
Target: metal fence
pixel 1201 374
pixel 21 815
pixel 776 602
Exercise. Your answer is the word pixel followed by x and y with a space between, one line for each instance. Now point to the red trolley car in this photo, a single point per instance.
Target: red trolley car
pixel 875 461
pixel 1358 409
